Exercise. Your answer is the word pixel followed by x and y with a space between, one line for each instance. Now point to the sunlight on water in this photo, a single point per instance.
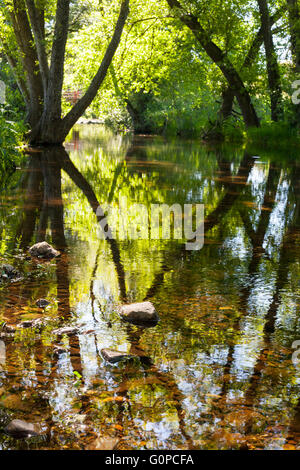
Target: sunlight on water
pixel 217 370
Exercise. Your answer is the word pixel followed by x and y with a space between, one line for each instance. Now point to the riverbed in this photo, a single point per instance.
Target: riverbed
pixel 218 370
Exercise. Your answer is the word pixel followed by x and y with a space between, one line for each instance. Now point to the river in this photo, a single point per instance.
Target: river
pixel 218 370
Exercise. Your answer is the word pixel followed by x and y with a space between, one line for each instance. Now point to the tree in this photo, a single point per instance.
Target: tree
pixel 294 22
pixel 221 59
pixel 151 86
pixel 228 94
pixel 40 74
pixel 274 79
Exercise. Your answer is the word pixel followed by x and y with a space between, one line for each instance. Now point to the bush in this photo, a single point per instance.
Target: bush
pixel 11 133
pixel 231 130
pixel 274 135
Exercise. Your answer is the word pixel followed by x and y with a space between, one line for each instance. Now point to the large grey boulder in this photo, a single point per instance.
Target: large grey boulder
pixel 20 429
pixel 43 250
pixel 140 313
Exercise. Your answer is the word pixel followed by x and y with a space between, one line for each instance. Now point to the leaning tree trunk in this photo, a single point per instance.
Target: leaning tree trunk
pixel 274 79
pixel 29 61
pixel 294 21
pixel 220 58
pixel 228 95
pixel 226 109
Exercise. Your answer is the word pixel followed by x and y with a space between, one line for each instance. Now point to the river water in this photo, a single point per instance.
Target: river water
pixel 217 371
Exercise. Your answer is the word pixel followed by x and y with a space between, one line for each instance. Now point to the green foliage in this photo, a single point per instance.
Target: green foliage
pixel 161 80
pixel 160 73
pixel 12 127
pixel 11 133
pixel 15 107
pixel 153 71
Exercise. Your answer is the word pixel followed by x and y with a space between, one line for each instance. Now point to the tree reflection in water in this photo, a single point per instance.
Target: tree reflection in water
pixel 216 371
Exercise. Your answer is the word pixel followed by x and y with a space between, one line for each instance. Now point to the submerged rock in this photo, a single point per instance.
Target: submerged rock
pixel 26 324
pixel 9 328
pixel 43 250
pixel 9 273
pixel 58 350
pixel 112 356
pixel 104 443
pixel 6 336
pixel 42 303
pixel 29 323
pixel 68 330
pixel 20 429
pixel 143 313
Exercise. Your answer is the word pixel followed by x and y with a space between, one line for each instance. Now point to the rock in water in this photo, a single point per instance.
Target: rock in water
pixel 68 330
pixel 58 350
pixel 20 429
pixel 37 323
pixel 42 303
pixel 141 313
pixel 43 250
pixel 9 328
pixel 9 273
pixel 104 443
pixel 113 356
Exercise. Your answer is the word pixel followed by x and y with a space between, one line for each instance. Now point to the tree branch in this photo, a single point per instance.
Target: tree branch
pixel 19 80
pixel 228 95
pixel 80 107
pixel 14 68
pixel 36 19
pixel 259 38
pixel 29 58
pixel 221 59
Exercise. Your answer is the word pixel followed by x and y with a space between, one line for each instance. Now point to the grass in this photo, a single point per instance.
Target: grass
pixel 274 135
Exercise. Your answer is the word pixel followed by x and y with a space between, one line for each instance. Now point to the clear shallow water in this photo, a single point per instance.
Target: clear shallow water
pixel 216 372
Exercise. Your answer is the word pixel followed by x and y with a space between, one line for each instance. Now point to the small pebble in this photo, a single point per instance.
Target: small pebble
pixel 42 303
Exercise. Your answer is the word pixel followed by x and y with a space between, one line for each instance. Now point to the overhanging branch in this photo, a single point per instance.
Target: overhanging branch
pixel 80 107
pixel 38 31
